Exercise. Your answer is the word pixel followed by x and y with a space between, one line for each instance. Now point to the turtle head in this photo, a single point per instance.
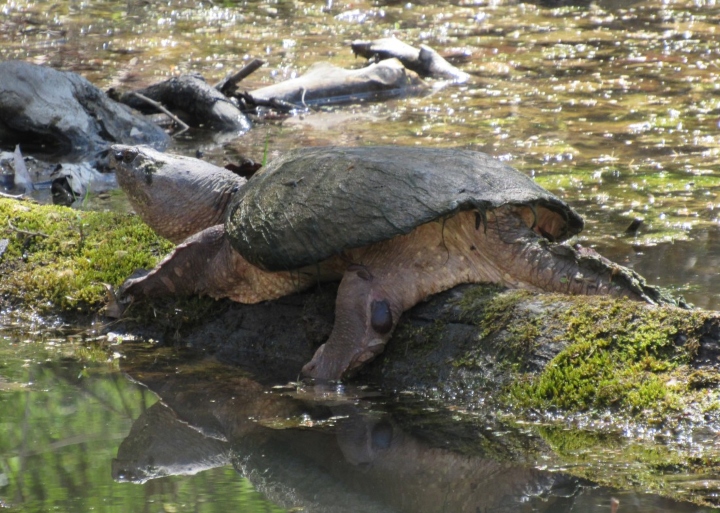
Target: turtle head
pixel 175 195
pixel 134 168
pixel 365 316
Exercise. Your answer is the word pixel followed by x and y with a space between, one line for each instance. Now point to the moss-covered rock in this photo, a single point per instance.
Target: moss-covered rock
pixel 620 354
pixel 526 351
pixel 57 258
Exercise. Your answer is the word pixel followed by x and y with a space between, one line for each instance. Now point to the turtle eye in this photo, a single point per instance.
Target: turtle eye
pixel 381 317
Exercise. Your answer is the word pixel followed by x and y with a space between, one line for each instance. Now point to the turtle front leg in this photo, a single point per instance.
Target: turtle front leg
pixel 206 264
pixel 367 310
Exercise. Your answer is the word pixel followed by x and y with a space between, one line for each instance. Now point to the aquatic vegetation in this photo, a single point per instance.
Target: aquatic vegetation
pixel 554 354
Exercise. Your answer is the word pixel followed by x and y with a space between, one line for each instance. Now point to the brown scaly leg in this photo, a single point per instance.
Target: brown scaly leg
pixel 366 312
pixel 206 264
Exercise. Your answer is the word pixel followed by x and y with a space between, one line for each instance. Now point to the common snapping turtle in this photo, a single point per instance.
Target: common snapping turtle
pixel 394 224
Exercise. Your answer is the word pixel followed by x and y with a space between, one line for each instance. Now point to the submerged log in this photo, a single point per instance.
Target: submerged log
pixel 325 84
pixel 424 61
pixel 62 114
pixel 193 100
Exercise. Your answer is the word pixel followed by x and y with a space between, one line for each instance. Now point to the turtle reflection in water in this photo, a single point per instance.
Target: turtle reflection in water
pixel 393 224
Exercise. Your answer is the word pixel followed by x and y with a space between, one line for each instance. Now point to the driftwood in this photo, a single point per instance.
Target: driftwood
pixel 184 127
pixel 228 85
pixel 424 61
pixel 61 113
pixel 193 100
pixel 327 84
pixel 198 103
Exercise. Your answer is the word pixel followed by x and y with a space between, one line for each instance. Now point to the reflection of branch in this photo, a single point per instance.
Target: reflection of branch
pixel 126 406
pixel 162 109
pixel 25 434
pixel 82 388
pixel 66 442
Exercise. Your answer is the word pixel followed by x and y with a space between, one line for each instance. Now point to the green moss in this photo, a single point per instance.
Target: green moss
pixel 59 258
pixel 621 354
pixel 94 353
pixel 493 309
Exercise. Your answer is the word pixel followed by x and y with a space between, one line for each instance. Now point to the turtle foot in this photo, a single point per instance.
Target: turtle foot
pixel 334 365
pixel 365 316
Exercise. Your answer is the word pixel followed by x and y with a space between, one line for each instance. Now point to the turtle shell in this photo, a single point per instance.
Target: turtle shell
pixel 313 203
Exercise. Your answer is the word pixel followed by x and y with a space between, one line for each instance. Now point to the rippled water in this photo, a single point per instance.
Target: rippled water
pixel 614 106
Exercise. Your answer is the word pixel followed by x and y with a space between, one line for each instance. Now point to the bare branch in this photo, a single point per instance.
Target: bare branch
pixel 162 109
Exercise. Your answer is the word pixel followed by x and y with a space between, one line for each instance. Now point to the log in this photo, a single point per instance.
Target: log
pixel 325 84
pixel 193 100
pixel 424 61
pixel 64 115
pixel 483 339
pixel 228 85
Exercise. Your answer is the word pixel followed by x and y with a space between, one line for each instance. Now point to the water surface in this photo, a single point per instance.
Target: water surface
pixel 614 105
pixel 172 433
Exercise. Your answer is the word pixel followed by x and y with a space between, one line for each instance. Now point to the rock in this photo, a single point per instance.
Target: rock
pixel 62 114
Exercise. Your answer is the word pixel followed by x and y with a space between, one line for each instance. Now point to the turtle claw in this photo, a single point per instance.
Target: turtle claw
pixel 328 367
